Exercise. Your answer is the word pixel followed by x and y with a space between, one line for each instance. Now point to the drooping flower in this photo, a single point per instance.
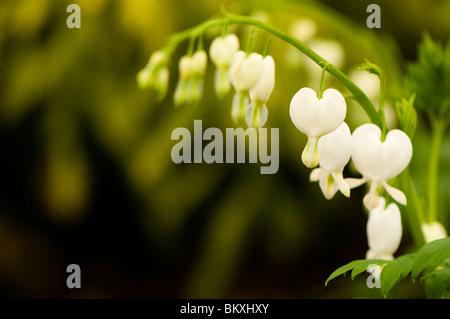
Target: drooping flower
pixel 256 115
pixel 379 161
pixel 335 150
pixel 221 51
pixel 155 75
pixel 192 70
pixel 245 71
pixel 384 231
pixel 316 117
pixel 434 230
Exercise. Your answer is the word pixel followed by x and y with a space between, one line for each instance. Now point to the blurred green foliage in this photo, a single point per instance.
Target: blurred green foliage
pixel 87 174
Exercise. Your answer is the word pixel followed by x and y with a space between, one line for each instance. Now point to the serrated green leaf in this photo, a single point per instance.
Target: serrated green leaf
pixel 437 283
pixel 357 267
pixel 430 256
pixel 391 273
pixel 429 78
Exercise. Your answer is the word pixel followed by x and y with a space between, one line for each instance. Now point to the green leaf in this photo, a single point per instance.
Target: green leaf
pixel 391 273
pixel 407 115
pixel 429 78
pixel 357 267
pixel 430 256
pixel 437 283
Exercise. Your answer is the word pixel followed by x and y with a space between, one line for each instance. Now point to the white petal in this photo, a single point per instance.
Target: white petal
pixel 384 228
pixel 371 199
pixel 263 88
pixel 326 184
pixel 372 254
pixel 315 174
pixel 376 160
pixel 245 70
pixel 433 231
pixel 316 117
pixel 341 184
pixel 395 193
pixel 222 49
pixel 199 62
pixel 185 66
pixel 261 116
pixel 335 148
pixel 310 154
pixel 355 182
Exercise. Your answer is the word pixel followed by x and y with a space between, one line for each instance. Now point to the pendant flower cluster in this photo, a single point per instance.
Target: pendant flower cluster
pixel 330 145
pixel 251 75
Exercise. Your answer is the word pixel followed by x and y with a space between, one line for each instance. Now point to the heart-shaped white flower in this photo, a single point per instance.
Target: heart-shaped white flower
pixel 257 111
pixel 264 86
pixel 245 70
pixel 335 150
pixel 379 161
pixel 190 84
pixel 384 231
pixel 222 49
pixel 316 117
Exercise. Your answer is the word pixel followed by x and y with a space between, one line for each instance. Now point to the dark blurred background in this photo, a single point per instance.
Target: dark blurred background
pixel 85 170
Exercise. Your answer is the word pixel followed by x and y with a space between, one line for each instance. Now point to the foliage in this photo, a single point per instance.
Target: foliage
pixel 432 258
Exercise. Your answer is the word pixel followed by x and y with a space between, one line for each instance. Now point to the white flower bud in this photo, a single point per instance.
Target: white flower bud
pixel 384 231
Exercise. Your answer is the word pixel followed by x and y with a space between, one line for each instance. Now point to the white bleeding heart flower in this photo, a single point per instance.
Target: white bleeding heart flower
pixel 259 94
pixel 245 71
pixel 384 231
pixel 316 117
pixel 190 84
pixel 379 161
pixel 155 75
pixel 434 230
pixel 222 51
pixel 335 150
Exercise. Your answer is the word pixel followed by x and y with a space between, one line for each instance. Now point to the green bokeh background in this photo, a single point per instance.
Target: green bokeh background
pixel 86 175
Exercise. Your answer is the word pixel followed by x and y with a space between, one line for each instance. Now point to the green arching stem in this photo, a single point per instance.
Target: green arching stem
pixel 250 40
pixel 322 80
pixel 266 49
pixel 438 126
pixel 225 29
pixel 357 93
pixel 200 42
pixel 414 208
pixel 190 50
pixel 381 107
